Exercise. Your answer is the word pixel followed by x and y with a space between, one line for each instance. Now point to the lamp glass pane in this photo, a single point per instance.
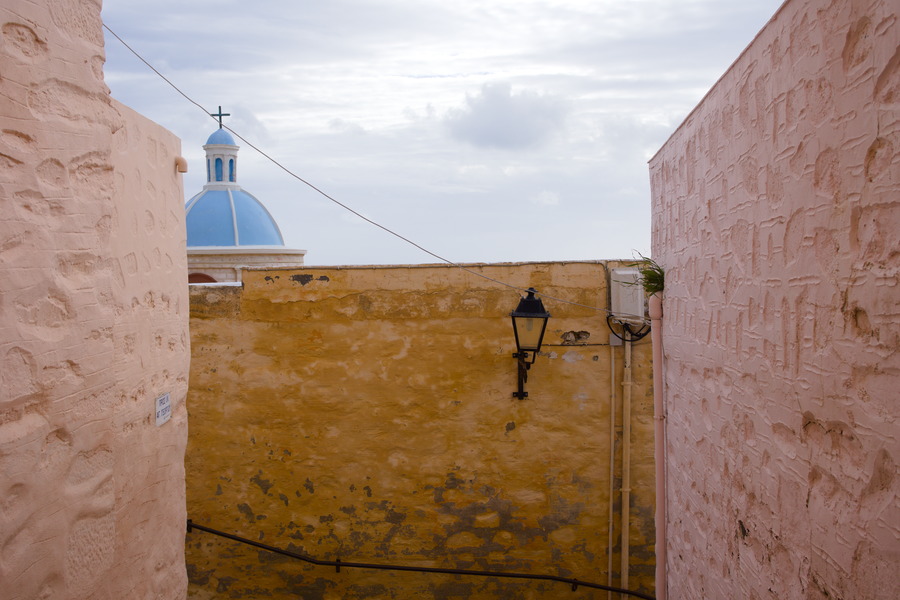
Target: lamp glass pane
pixel 529 331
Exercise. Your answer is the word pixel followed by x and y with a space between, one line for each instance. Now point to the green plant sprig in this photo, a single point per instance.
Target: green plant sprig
pixel 652 275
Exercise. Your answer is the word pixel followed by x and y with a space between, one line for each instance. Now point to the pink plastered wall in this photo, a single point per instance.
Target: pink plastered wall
pixel 93 322
pixel 776 214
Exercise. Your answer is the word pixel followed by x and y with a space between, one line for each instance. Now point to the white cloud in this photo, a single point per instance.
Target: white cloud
pixel 498 118
pixel 545 198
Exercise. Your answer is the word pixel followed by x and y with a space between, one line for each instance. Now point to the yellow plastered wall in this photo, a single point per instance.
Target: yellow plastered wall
pixel 366 414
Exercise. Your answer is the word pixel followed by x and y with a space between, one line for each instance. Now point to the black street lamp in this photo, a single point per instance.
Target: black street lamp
pixel 529 323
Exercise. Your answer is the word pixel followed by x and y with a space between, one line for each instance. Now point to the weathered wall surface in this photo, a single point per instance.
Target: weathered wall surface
pixel 776 214
pixel 93 323
pixel 367 414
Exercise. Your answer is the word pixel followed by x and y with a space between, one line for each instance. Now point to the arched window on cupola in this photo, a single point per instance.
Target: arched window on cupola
pixel 208 172
pixel 231 169
pixel 218 169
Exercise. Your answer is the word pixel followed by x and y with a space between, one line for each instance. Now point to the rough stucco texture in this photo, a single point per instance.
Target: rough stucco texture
pixel 93 323
pixel 776 212
pixel 367 414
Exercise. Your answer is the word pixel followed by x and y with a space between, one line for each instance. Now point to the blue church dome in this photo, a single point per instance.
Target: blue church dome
pixel 230 218
pixel 221 136
pixel 223 214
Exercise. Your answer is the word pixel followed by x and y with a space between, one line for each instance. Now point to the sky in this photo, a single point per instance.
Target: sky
pixel 480 130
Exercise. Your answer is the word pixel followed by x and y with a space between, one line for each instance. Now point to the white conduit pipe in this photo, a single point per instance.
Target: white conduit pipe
pixel 612 463
pixel 659 416
pixel 626 461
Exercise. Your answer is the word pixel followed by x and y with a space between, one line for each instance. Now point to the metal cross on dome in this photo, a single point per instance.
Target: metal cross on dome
pixel 219 115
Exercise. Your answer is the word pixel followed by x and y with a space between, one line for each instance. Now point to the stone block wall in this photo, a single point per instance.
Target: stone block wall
pixel 366 414
pixel 776 212
pixel 93 322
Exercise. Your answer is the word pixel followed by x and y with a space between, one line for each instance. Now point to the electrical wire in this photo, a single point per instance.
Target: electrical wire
pixel 628 333
pixel 339 203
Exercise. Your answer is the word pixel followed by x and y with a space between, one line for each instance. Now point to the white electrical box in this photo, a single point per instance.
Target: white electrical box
pixel 627 295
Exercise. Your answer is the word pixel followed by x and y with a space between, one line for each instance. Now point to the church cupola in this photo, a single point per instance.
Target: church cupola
pixel 228 228
pixel 221 159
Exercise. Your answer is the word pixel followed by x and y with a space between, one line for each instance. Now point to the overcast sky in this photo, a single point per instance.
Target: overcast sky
pixel 483 130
